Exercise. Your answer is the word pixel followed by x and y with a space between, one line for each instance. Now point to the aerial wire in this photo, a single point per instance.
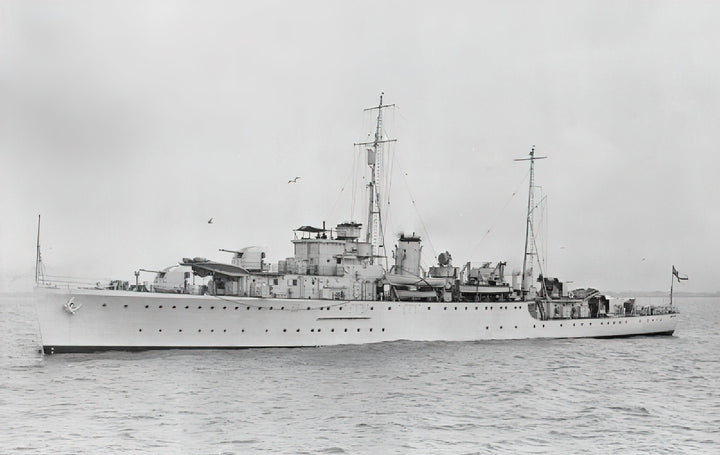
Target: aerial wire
pixel 500 212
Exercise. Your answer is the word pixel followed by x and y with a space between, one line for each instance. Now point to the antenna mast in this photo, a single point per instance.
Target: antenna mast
pixel 375 236
pixel 529 246
pixel 38 259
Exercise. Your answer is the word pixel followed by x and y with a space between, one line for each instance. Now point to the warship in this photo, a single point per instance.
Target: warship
pixel 338 288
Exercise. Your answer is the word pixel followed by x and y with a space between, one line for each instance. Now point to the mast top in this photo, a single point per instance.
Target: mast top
pixel 532 156
pixel 380 105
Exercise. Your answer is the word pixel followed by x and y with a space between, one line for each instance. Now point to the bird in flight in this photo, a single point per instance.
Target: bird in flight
pixel 293 180
pixel 210 221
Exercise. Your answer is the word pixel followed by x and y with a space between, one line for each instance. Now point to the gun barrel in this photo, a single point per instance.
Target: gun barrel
pixel 230 251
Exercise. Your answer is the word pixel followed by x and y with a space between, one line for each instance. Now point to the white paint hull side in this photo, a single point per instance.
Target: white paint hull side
pixel 131 320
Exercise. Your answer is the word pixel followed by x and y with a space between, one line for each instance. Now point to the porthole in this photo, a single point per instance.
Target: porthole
pixel 312 330
pixel 174 307
pixel 308 308
pixel 247 307
pixel 139 330
pixel 160 306
pixel 456 308
pixel 383 330
pixel 212 330
pixel 298 330
pixel 560 325
pixel 125 306
pixel 533 326
pixel 147 306
pixel 486 308
pixel 444 308
pixel 242 331
pixel 199 330
pixel 266 330
pixel 236 307
pixel 332 330
pixel 573 324
pixel 372 308
pixel 284 330
pixel 389 308
pixel 371 329
pixel 186 307
pixel 224 308
pixel 428 308
pixel 282 307
pixel 500 327
pixel 319 330
pixel 259 308
pixel 543 326
pixel 346 330
pixel 271 308
pixel 465 308
pixel 104 304
pixel 179 330
pixel 487 327
pixel 224 330
pixel 358 329
pixel 340 308
pixel 516 327
pixel 159 330
pixel 476 308
pixel 199 308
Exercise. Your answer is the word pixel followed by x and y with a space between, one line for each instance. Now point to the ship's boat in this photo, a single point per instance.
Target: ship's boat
pixel 337 288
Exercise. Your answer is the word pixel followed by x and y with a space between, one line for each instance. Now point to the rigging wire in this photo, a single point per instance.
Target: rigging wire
pixel 342 189
pixel 497 216
pixel 397 163
pixel 353 190
pixel 417 211
pixel 542 282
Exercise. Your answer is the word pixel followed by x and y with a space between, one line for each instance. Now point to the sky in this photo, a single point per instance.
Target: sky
pixel 128 124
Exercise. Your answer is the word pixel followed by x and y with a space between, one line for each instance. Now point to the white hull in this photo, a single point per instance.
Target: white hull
pixel 131 320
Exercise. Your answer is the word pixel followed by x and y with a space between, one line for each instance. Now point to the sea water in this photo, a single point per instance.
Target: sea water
pixel 649 395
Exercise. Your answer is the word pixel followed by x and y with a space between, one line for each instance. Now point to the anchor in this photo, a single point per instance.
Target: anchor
pixel 71 307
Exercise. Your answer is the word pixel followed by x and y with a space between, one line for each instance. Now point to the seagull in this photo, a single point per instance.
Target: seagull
pixel 293 180
pixel 210 221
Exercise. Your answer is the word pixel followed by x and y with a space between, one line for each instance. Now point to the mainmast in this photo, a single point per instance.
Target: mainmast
pixel 374 149
pixel 529 230
pixel 38 259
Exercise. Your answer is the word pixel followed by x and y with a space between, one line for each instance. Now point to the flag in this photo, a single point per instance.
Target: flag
pixel 677 274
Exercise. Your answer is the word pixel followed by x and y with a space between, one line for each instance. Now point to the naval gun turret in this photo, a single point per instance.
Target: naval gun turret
pixel 250 258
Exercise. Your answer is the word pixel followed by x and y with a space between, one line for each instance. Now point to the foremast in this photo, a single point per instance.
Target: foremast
pixel 530 250
pixel 374 149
